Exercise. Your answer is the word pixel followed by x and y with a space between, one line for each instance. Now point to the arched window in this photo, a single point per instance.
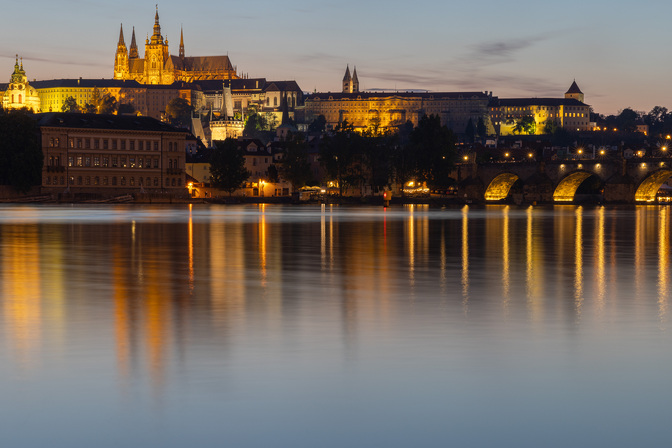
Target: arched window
pixel 156 181
pixel 20 98
pixel 170 163
pixel 275 101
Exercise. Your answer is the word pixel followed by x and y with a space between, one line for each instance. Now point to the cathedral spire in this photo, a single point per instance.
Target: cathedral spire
pixel 355 81
pixel 181 43
pixel 133 50
pixel 156 37
pixel 121 36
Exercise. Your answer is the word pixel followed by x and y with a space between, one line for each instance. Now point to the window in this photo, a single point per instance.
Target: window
pixel 105 180
pixel 96 180
pixel 87 161
pixel 88 143
pixel 96 143
pixel 96 161
pixel 79 143
pixel 79 180
pixel 140 162
pixel 71 143
pixel 123 162
pixel 48 180
pixel 114 143
pixel 156 181
pixel 79 160
pixel 156 163
pixel 123 145
pixel 106 162
pixel 62 180
pixel 170 163
pixel 105 143
pixel 114 180
pixel 131 162
pixel 87 180
pixel 72 180
pixel 122 181
pixel 131 181
pixel 132 144
pixel 156 146
pixel 114 162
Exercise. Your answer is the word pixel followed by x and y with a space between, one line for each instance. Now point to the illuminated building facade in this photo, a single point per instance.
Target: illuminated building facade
pixel 19 94
pixel 392 109
pixel 160 67
pixel 111 155
pixel 569 113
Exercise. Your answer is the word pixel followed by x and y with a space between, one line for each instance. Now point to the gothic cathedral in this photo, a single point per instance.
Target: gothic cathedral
pixel 160 67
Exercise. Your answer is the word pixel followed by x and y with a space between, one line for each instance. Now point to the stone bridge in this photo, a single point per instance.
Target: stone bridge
pixel 634 180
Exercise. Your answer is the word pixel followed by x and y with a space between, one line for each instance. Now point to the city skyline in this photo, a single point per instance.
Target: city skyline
pixel 616 54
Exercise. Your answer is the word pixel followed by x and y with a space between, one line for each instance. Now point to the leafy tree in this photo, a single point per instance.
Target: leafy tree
pixel 376 151
pixel 70 105
pixel 318 125
pixel 227 166
pixel 107 104
pixel 434 148
pixel 90 108
pixel 340 156
pixel 470 131
pixel 21 156
pixel 273 175
pixel 254 124
pixel 271 121
pixel 295 167
pixel 178 112
pixel 525 125
pixel 126 108
pixel 481 130
pixel 550 126
pixel 626 120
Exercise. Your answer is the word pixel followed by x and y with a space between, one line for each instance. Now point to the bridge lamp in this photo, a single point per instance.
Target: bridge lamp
pixel 663 148
pixel 602 152
pixel 466 157
pixel 506 154
pixel 530 155
pixel 668 136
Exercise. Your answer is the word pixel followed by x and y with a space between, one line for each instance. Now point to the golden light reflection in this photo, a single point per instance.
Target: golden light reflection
pixel 506 260
pixel 191 249
pixel 411 243
pixel 122 315
pixel 22 303
pixel 663 263
pixel 640 250
pixel 578 262
pixel 533 264
pixel 465 259
pixel 262 245
pixel 600 262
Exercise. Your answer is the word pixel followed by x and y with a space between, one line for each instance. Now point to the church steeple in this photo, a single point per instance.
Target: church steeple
pixel 347 81
pixel 355 81
pixel 121 57
pixel 181 44
pixel 133 50
pixel 156 37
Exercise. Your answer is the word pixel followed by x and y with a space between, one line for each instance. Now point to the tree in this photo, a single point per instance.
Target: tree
pixel 481 129
pixel 295 167
pixel 21 156
pixel 525 125
pixel 227 166
pixel 70 105
pixel 318 125
pixel 470 131
pixel 126 108
pixel 550 126
pixel 339 156
pixel 254 125
pixel 107 104
pixel 90 108
pixel 626 120
pixel 434 149
pixel 179 111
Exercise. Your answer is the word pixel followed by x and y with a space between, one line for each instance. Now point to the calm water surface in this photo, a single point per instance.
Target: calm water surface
pixel 324 326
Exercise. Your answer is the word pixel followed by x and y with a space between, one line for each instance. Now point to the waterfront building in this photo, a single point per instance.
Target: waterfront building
pixel 19 93
pixel 110 155
pixel 569 113
pixel 392 109
pixel 158 66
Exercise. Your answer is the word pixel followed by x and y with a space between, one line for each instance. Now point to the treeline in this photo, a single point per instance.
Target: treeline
pixel 21 157
pixel 352 159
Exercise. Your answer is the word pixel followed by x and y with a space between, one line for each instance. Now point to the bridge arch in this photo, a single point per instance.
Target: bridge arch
pixel 566 189
pixel 648 188
pixel 500 187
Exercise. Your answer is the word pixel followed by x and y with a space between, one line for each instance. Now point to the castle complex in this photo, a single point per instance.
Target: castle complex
pixel 160 67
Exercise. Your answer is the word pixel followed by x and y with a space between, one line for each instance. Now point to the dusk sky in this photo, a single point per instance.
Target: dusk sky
pixel 618 52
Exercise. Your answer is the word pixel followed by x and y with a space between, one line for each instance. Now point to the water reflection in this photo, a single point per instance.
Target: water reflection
pixel 230 301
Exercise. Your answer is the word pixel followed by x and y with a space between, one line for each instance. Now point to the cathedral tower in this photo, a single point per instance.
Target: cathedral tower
pixel 156 55
pixel 121 58
pixel 181 44
pixel 133 50
pixel 355 81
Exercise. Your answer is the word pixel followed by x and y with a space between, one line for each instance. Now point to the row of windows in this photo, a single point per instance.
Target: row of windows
pixel 106 162
pixel 105 143
pixel 112 181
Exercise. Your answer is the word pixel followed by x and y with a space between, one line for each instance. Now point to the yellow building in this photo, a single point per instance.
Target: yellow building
pixel 391 109
pixel 568 113
pixel 160 67
pixel 19 94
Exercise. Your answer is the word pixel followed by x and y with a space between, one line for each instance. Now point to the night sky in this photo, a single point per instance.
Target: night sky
pixel 618 52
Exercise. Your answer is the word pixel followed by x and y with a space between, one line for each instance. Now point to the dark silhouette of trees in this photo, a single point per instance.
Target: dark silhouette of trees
pixel 70 105
pixel 178 112
pixel 21 156
pixel 227 166
pixel 318 125
pixel 295 166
